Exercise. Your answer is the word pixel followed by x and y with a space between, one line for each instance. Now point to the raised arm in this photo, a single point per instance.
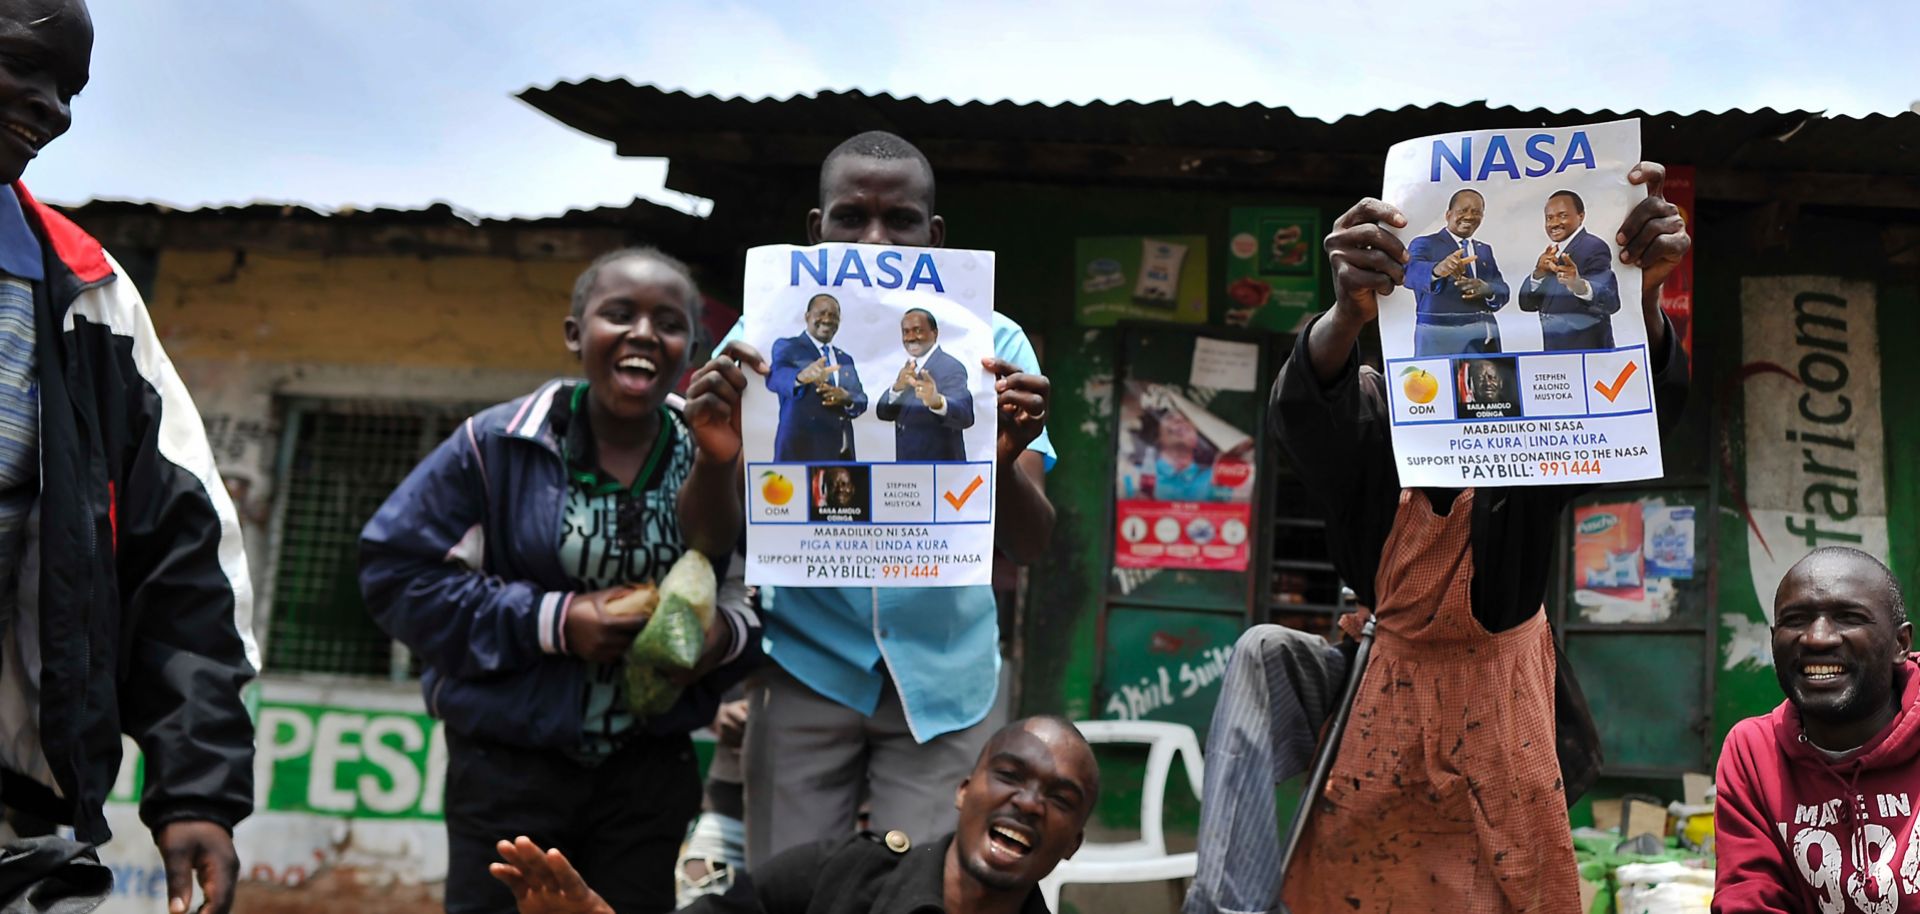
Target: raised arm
pixel 1655 238
pixel 1329 413
pixel 1025 527
pixel 1368 262
pixel 711 513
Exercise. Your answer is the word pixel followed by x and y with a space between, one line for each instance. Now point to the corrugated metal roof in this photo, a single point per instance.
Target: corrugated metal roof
pixel 436 230
pixel 645 120
pixel 640 212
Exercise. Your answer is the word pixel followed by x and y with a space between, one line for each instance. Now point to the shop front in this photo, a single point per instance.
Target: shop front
pixel 1162 255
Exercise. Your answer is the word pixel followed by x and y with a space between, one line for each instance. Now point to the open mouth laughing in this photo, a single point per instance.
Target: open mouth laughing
pixel 32 138
pixel 635 374
pixel 1010 841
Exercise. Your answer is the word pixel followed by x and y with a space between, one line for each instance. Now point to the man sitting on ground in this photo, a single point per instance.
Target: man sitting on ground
pixel 1023 809
pixel 1815 806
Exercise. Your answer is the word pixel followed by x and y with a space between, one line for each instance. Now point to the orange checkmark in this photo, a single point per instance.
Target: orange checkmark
pixel 960 501
pixel 1613 390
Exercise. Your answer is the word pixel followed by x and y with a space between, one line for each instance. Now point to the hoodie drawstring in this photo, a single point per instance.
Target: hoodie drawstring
pixel 1851 800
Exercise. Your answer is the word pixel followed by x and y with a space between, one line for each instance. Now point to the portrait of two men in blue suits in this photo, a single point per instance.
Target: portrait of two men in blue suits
pixel 820 392
pixel 1458 287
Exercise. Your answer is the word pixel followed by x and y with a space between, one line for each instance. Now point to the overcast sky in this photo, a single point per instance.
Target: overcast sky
pixel 404 102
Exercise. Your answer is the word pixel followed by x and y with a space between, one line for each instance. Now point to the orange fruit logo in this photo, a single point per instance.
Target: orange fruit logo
pixel 1419 386
pixel 775 488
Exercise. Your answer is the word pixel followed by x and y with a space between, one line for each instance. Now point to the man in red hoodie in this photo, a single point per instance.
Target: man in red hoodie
pixel 1817 800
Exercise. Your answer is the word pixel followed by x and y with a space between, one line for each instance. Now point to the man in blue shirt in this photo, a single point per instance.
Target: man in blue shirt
pixel 886 692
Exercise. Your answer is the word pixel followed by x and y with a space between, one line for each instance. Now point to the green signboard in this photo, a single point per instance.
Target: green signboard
pixel 1157 278
pixel 1273 259
pixel 352 762
pixel 1165 664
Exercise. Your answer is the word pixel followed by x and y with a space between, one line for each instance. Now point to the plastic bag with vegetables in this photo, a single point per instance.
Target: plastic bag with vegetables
pixel 674 637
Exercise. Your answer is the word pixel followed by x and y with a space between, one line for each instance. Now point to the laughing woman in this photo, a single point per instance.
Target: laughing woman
pixel 494 563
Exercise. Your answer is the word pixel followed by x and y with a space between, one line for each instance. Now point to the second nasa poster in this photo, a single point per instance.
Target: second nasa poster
pixel 1516 351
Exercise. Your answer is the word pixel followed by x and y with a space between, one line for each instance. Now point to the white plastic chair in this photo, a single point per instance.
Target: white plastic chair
pixel 1145 860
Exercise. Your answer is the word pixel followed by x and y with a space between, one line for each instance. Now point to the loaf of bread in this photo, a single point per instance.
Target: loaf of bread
pixel 639 600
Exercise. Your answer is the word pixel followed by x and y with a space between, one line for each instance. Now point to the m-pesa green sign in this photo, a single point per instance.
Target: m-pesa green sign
pixel 350 762
pixel 346 762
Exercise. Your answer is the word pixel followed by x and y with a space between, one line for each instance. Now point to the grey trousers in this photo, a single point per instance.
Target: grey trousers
pixel 809 760
pixel 1281 687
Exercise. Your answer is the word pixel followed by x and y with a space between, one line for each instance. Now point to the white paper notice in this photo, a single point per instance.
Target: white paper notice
pixel 1224 365
pixel 870 447
pixel 1516 353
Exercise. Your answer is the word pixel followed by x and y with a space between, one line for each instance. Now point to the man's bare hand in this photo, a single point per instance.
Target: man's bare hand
pixel 544 882
pixel 1023 399
pixel 1368 261
pixel 1654 234
pixel 834 397
pixel 196 848
pixel 904 379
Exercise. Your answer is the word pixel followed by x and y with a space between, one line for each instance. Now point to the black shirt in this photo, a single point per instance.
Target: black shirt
pixel 854 875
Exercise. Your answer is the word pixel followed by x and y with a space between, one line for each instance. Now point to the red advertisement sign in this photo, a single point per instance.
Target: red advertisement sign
pixel 1205 536
pixel 1676 297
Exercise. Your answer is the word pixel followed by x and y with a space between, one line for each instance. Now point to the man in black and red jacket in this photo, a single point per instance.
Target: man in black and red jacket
pixel 124 599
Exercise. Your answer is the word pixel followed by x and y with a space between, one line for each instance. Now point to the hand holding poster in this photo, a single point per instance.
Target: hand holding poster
pixel 1516 350
pixel 870 444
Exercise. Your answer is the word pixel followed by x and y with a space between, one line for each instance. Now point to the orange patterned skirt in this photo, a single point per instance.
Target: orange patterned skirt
pixel 1446 794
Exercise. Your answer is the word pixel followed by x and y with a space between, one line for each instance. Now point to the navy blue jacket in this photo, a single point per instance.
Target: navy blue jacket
pixel 920 434
pixel 1566 321
pixel 810 430
pixel 462 565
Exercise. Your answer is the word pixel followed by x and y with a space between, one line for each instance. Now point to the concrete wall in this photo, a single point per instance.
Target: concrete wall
pixel 247 331
pixel 458 312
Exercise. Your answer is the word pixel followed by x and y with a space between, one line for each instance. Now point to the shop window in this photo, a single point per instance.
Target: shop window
pixel 339 461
